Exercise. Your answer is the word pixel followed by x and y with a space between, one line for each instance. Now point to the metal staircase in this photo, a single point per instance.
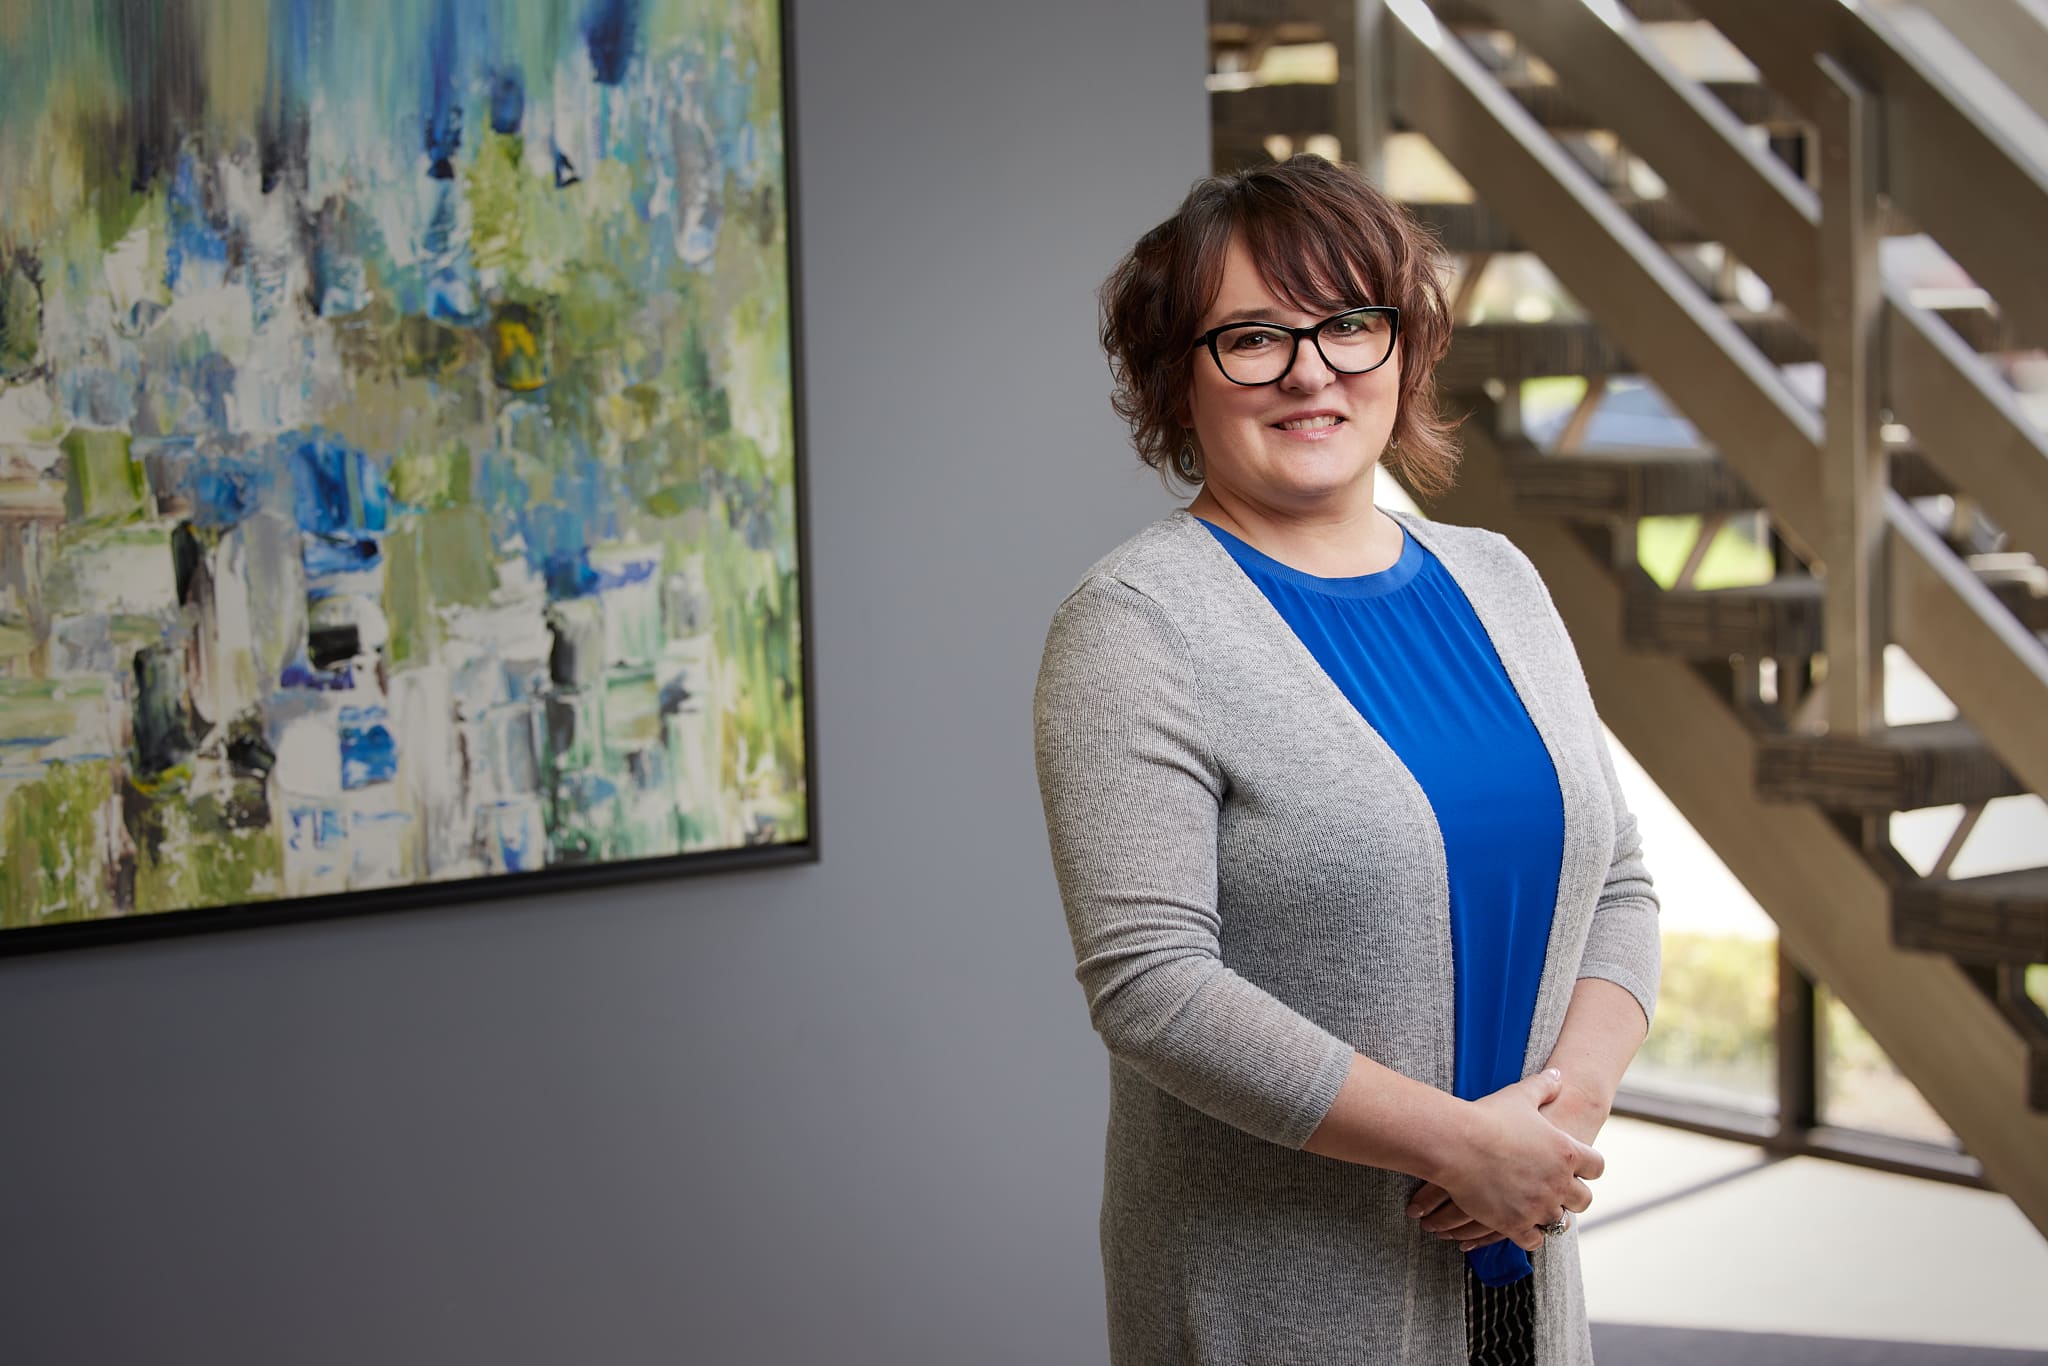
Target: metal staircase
pixel 1758 709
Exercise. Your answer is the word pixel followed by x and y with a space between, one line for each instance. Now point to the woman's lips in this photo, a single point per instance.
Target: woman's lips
pixel 1309 426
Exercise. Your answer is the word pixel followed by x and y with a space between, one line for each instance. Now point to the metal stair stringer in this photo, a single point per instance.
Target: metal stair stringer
pixel 1832 906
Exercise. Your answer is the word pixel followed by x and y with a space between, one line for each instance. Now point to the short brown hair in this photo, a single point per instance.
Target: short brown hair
pixel 1319 233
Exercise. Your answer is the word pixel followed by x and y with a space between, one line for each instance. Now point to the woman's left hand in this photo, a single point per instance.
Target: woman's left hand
pixel 1574 1111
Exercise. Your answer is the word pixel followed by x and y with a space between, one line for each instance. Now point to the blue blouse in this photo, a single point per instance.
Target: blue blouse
pixel 1406 648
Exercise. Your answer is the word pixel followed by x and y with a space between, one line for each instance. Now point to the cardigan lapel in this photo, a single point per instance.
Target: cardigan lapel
pixel 1277 646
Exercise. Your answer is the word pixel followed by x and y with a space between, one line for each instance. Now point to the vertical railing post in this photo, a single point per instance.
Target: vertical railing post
pixel 1854 476
pixel 1364 95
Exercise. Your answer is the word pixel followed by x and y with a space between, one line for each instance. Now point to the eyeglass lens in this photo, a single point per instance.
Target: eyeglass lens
pixel 1257 353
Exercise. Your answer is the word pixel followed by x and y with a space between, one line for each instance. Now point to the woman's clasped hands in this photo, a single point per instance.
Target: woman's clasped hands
pixel 1509 1171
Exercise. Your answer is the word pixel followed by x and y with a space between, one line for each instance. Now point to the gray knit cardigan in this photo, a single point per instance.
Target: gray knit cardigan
pixel 1256 887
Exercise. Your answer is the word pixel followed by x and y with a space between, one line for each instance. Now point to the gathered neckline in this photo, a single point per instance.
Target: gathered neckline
pixel 1376 584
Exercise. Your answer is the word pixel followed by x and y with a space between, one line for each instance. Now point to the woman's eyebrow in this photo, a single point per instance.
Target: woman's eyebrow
pixel 1246 315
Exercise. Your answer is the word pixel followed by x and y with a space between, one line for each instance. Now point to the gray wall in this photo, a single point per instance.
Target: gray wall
pixel 842 1113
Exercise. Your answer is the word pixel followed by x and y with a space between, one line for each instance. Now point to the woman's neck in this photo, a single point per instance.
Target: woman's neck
pixel 1329 542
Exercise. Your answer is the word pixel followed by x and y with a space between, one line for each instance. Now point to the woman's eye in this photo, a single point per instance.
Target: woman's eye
pixel 1346 327
pixel 1252 341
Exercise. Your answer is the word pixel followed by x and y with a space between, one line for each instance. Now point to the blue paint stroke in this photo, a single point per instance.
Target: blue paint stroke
pixel 514 836
pixel 213 384
pixel 336 489
pixel 338 498
pixel 556 535
pixel 442 98
pixel 508 101
pixel 611 30
pixel 300 675
pixel 568 574
pixel 224 490
pixel 638 571
pixel 587 792
pixel 323 555
pixel 315 827
pixel 451 281
pixel 368 753
pixel 193 245
pixel 346 242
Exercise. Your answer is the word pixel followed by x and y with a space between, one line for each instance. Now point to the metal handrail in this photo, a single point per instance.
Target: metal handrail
pixel 1967 182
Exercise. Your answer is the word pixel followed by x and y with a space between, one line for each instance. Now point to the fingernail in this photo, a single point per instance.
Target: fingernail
pixel 1554 1074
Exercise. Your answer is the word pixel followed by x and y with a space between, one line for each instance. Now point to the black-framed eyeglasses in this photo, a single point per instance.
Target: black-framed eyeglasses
pixel 1350 343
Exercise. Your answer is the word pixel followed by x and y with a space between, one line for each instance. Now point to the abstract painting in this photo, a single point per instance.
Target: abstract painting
pixel 398 452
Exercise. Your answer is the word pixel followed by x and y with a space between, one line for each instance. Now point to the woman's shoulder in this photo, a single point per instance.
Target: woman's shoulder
pixel 1482 546
pixel 1146 599
pixel 1157 554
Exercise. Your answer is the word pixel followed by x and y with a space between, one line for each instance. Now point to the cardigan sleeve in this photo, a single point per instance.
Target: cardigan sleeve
pixel 1623 945
pixel 1131 793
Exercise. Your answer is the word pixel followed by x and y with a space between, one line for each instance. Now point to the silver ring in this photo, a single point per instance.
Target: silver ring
pixel 1557 1227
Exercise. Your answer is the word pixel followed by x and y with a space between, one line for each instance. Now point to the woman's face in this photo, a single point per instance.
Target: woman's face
pixel 1306 444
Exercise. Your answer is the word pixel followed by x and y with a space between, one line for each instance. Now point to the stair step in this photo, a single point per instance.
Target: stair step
pixel 1778 618
pixel 1471 226
pixel 1553 107
pixel 1259 111
pixel 1311 107
pixel 1659 481
pixel 1631 482
pixel 1903 768
pixel 1517 350
pixel 1994 919
pixel 2018 582
pixel 1474 227
pixel 1646 12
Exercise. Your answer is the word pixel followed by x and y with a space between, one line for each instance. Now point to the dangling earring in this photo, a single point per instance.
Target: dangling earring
pixel 1187 460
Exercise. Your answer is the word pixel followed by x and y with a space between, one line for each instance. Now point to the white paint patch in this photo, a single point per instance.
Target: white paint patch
pixel 430 784
pixel 28 417
pixel 309 755
pixel 125 573
pixel 134 272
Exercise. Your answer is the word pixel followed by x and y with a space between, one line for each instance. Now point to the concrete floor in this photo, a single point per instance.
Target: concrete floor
pixel 1689 1232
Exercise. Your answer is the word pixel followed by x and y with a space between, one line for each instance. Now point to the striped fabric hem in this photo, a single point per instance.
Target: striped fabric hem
pixel 1500 1322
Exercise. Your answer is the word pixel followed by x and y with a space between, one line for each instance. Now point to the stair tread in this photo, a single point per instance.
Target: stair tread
pixel 1468 225
pixel 1779 618
pixel 1900 768
pixel 1791 588
pixel 2024 885
pixel 1674 481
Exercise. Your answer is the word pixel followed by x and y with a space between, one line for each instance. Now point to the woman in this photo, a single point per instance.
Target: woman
pixel 1355 899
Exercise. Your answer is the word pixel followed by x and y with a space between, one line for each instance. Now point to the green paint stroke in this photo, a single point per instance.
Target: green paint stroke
pixel 56 848
pixel 203 851
pixel 103 483
pixel 433 562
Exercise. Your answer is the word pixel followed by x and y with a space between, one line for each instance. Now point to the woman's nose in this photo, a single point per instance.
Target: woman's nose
pixel 1309 371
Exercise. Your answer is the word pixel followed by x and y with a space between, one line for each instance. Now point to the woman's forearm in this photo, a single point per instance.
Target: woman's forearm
pixel 1498 1156
pixel 1603 1028
pixel 1382 1118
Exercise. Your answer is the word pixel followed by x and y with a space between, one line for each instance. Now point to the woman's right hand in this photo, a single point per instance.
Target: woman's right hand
pixel 1513 1169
